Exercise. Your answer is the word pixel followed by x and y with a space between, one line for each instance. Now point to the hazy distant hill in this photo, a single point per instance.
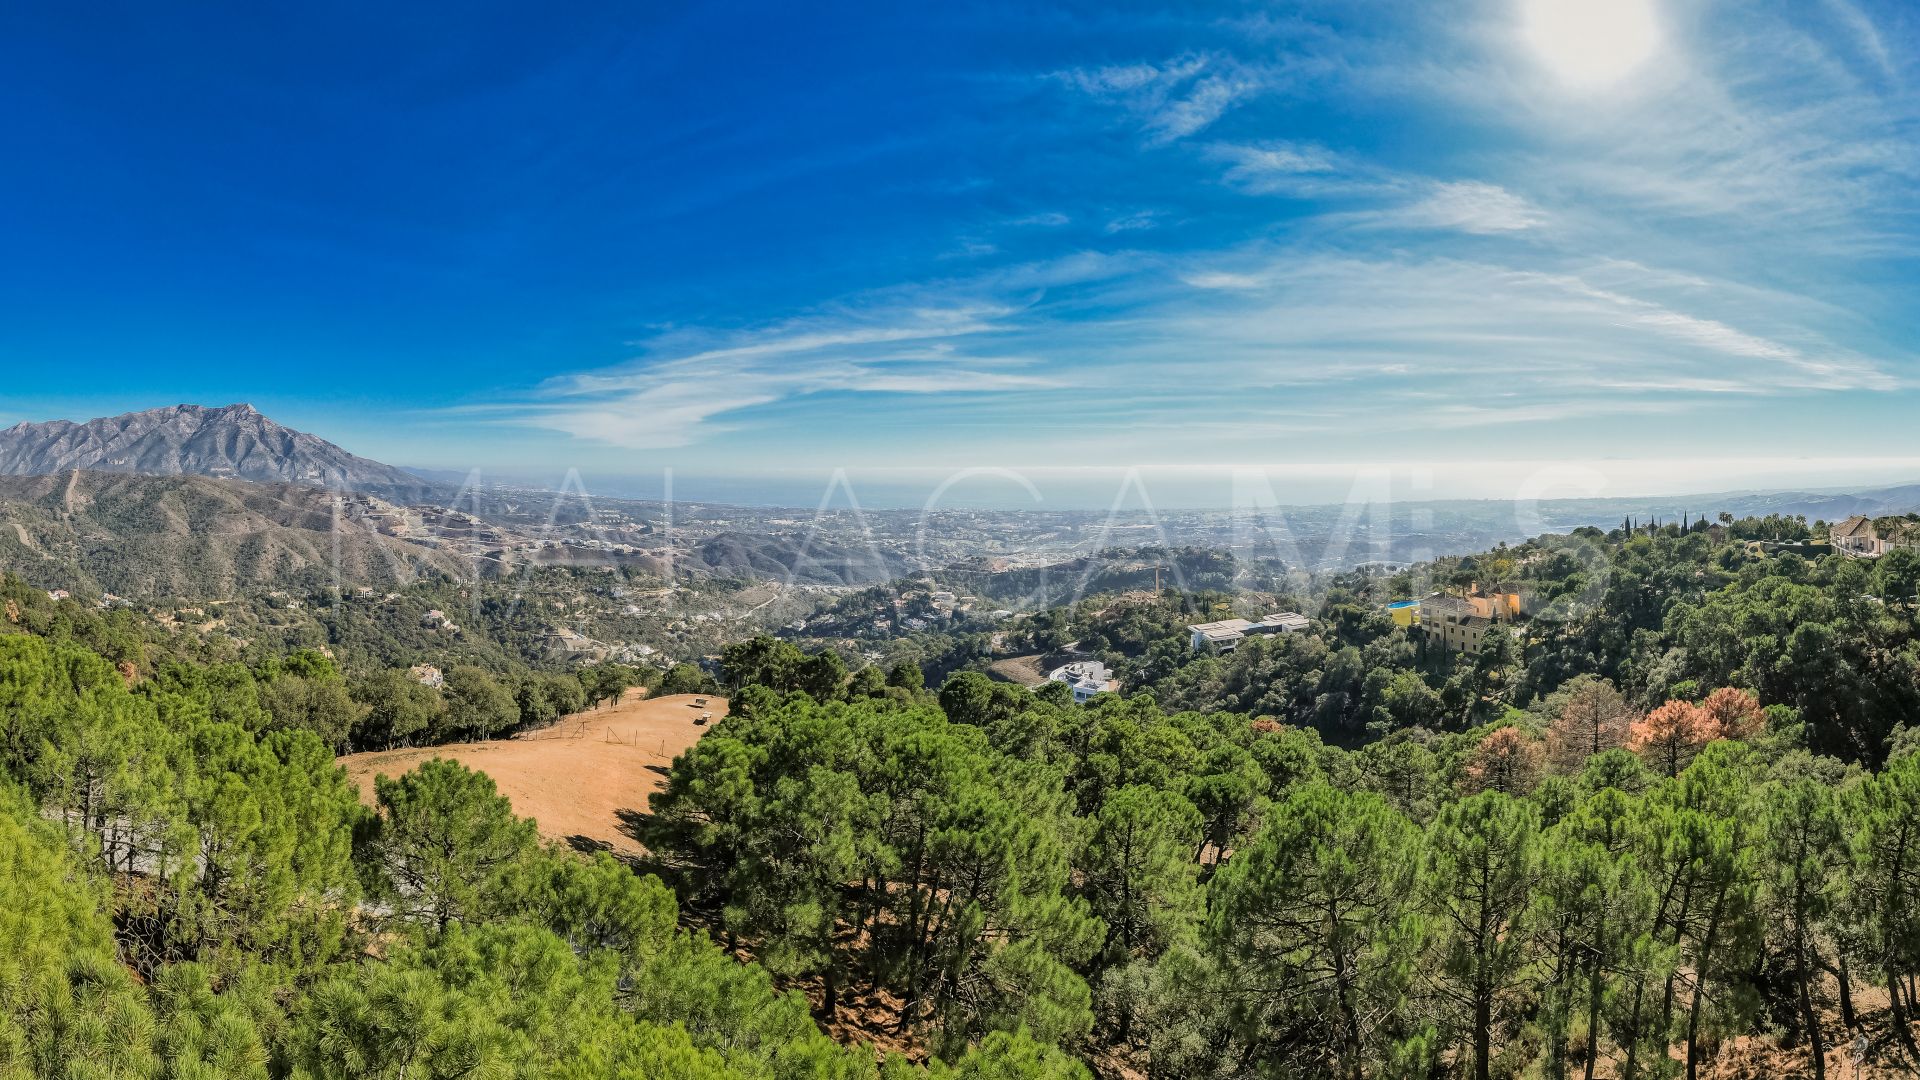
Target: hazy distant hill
pixel 1607 512
pixel 190 536
pixel 235 442
pixel 1835 507
pixel 813 561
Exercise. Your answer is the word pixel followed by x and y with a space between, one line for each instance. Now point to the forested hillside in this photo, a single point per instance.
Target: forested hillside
pixel 1660 825
pixel 1669 824
pixel 1830 643
pixel 196 895
pixel 1584 889
pixel 194 537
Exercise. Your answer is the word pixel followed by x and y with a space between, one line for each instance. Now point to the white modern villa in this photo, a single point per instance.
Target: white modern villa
pixel 1086 678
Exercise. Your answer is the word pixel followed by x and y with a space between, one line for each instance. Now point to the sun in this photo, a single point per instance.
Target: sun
pixel 1591 43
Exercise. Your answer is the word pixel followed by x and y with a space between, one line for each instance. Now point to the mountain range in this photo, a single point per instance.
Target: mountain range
pixel 235 442
pixel 190 500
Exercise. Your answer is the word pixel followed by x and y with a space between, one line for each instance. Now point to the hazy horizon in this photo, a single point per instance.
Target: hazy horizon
pixel 1126 488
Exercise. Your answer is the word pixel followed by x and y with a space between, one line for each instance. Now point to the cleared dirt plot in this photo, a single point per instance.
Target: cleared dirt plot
pixel 581 779
pixel 1024 670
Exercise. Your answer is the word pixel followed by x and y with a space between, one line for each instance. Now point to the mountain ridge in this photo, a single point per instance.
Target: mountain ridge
pixel 234 442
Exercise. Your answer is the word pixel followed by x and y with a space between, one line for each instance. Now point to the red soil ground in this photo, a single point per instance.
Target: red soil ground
pixel 580 779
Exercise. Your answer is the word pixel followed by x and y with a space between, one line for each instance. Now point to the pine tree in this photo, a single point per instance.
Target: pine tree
pixel 1593 917
pixel 1803 855
pixel 1669 736
pixel 1588 717
pixel 68 1010
pixel 445 846
pixel 1481 867
pixel 1885 885
pixel 1507 760
pixel 1314 932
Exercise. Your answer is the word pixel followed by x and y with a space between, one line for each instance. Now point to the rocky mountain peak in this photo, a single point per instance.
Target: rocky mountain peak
pixel 235 441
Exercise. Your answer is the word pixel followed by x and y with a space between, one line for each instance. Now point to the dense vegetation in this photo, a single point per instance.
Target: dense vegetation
pixel 1205 895
pixel 500 623
pixel 1669 811
pixel 190 898
pixel 1666 612
pixel 1670 824
pixel 901 622
pixel 350 705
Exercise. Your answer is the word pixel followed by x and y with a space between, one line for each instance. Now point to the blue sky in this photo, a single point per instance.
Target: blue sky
pixel 1676 246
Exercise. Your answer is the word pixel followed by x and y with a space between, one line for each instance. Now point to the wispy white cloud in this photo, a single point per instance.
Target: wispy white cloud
pixel 1495 413
pixel 1397 199
pixel 1459 331
pixel 1865 33
pixel 1379 345
pixel 1300 170
pixel 1173 99
pixel 1220 279
pixel 1136 221
pixel 1195 110
pixel 972 248
pixel 1833 368
pixel 1133 78
pixel 941 339
pixel 676 401
pixel 1471 206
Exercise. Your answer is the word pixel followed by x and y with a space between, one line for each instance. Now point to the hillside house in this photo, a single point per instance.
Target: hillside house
pixel 1225 634
pixel 1086 678
pixel 1456 622
pixel 1857 537
pixel 1501 605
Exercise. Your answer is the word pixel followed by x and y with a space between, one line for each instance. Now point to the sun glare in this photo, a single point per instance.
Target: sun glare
pixel 1591 43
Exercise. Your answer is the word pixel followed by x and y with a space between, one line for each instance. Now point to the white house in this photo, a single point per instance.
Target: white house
pixel 1086 677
